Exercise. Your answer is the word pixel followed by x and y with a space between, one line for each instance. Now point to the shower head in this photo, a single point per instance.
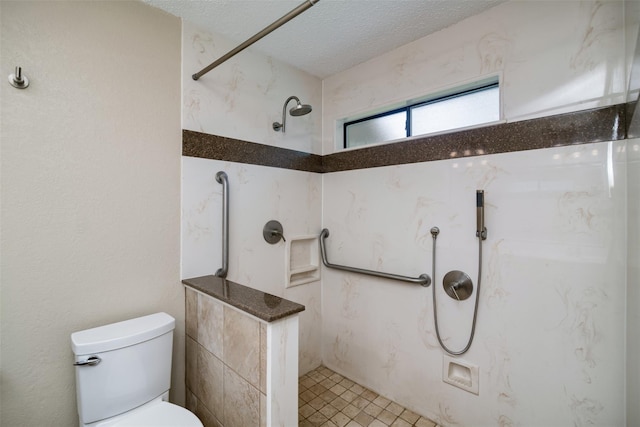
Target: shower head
pixel 299 110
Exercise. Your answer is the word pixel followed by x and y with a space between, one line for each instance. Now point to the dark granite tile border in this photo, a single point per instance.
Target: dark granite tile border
pixel 604 124
pixel 582 127
pixel 633 120
pixel 257 303
pixel 197 144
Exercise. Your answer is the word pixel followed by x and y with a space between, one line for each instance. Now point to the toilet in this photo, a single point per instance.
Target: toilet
pixel 123 374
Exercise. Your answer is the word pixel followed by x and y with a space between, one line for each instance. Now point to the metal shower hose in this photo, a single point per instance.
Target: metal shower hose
pixel 434 234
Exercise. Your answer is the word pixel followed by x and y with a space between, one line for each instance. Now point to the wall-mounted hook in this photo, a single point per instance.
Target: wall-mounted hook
pixel 18 80
pixel 272 232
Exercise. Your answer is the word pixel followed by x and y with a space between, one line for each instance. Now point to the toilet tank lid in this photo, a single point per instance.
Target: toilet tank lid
pixel 121 334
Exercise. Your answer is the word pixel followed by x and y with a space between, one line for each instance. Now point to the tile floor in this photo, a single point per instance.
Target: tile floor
pixel 327 399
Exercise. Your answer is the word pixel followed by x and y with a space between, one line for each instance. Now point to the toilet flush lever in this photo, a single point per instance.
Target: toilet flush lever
pixel 91 361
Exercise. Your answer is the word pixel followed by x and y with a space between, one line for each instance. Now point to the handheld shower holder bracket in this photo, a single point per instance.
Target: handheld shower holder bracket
pixel 482 234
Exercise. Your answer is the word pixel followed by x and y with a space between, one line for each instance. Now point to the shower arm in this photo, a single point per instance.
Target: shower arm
pixel 268 29
pixel 423 279
pixel 222 178
pixel 281 126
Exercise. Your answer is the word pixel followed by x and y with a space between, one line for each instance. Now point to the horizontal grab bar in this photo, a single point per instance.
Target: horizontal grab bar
pixel 423 279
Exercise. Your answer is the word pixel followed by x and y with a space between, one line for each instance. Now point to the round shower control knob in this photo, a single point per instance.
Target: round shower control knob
pixel 273 232
pixel 457 285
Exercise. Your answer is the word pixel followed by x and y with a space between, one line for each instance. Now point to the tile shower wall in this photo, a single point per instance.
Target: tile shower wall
pixel 226 370
pixel 552 57
pixel 633 277
pixel 244 96
pixel 240 99
pixel 257 194
pixel 551 317
pixel 632 11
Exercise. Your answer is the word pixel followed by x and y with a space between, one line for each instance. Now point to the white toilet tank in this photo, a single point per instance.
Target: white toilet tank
pixel 134 365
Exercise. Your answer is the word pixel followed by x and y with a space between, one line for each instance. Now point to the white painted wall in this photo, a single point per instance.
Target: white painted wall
pixel 90 197
pixel 240 99
pixel 551 320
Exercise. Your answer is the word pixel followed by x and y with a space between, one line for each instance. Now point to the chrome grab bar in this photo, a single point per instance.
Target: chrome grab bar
pixel 223 179
pixel 423 279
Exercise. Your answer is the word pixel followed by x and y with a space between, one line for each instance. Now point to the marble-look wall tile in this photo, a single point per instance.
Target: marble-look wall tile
pixel 257 194
pixel 310 324
pixel 207 418
pixel 633 277
pixel 191 360
pixel 191 313
pixel 263 357
pixel 210 325
pixel 210 385
pixel 551 58
pixel 240 100
pixel 551 314
pixel 239 378
pixel 191 401
pixel 552 298
pixel 242 345
pixel 263 410
pixel 282 366
pixel 241 401
pixel 244 96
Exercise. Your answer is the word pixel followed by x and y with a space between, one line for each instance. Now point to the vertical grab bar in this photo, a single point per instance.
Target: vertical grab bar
pixel 222 178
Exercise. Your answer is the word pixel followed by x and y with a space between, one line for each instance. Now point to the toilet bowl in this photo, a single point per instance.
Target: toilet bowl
pixel 123 374
pixel 154 414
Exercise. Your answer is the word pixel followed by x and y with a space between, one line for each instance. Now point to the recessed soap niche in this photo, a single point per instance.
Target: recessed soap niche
pixel 302 260
pixel 460 373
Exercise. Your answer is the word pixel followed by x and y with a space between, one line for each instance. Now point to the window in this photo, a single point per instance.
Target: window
pixel 455 110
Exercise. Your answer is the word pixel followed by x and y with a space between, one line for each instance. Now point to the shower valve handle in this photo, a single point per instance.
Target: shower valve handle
pixel 273 232
pixel 453 288
pixel 278 233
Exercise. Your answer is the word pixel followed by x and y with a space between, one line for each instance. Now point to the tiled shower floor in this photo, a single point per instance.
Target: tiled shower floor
pixel 327 399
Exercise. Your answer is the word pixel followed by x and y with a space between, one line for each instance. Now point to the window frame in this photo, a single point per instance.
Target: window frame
pixel 407 110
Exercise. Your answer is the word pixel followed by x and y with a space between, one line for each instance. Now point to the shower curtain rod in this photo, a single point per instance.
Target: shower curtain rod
pixel 277 24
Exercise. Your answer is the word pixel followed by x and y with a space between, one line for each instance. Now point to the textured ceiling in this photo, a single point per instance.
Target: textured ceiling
pixel 333 35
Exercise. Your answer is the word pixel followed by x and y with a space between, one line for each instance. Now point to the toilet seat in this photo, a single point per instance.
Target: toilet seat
pixel 161 414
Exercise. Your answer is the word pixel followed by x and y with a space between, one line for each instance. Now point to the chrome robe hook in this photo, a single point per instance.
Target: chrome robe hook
pixel 18 80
